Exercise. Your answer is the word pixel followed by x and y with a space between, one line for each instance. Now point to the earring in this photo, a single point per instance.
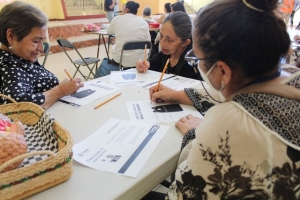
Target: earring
pixel 222 86
pixel 10 48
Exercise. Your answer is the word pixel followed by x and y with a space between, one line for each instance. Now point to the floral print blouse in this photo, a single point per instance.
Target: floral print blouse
pixel 247 148
pixel 22 80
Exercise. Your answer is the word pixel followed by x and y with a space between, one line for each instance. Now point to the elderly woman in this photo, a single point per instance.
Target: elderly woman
pixel 175 41
pixel 22 31
pixel 147 15
pixel 248 146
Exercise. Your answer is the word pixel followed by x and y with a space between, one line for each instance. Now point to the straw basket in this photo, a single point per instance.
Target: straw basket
pixel 25 181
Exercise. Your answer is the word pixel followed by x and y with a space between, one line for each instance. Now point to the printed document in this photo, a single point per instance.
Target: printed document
pixel 92 90
pixel 156 113
pixel 172 81
pixel 120 146
pixel 128 77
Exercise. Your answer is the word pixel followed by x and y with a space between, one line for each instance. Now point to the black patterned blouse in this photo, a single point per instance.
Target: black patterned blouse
pixel 23 80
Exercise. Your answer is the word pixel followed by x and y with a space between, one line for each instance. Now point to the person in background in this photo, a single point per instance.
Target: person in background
pixel 167 10
pixel 109 6
pixel 126 27
pixel 147 15
pixel 296 7
pixel 286 8
pixel 22 32
pixel 116 9
pixel 178 6
pixel 245 147
pixel 176 41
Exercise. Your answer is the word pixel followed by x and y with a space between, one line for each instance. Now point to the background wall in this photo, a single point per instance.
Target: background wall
pixel 52 8
pixel 197 4
pixel 157 6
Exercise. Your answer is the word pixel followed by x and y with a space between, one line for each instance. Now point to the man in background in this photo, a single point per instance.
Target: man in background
pixel 109 9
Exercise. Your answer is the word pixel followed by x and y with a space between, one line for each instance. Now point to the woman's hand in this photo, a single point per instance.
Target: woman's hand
pixel 70 86
pixel 142 66
pixel 187 123
pixel 164 94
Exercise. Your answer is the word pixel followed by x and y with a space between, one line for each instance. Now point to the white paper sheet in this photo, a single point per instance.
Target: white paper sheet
pixel 143 111
pixel 120 146
pixel 173 81
pixel 91 91
pixel 128 77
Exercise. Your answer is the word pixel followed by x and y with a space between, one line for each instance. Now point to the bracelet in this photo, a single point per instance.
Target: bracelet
pixel 61 90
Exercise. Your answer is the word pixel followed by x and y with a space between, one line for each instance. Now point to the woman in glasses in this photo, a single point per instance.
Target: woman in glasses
pixel 248 146
pixel 175 40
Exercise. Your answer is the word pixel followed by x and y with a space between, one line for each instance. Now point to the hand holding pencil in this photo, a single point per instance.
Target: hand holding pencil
pixel 143 65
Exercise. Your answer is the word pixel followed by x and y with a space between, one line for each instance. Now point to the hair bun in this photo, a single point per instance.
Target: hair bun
pixel 137 5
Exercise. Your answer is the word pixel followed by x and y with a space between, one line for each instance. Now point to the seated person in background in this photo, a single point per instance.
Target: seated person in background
pixel 127 27
pixel 147 15
pixel 167 10
pixel 178 6
pixel 23 29
pixel 175 40
pixel 148 19
pixel 248 146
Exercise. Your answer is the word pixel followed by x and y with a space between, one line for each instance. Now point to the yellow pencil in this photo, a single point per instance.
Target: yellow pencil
pixel 101 104
pixel 68 75
pixel 161 76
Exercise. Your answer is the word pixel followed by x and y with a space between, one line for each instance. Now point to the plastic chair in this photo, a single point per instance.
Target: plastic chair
pixel 132 45
pixel 46 52
pixel 66 45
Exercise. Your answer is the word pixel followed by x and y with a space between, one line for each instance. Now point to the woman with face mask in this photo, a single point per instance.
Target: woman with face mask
pixel 247 146
pixel 175 41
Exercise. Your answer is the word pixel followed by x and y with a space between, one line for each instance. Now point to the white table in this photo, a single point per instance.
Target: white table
pixel 87 183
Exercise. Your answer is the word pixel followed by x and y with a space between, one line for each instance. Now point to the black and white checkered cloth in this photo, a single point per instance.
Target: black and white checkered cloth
pixel 40 137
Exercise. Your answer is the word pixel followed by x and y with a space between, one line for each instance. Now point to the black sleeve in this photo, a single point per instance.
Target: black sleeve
pixel 190 72
pixel 156 63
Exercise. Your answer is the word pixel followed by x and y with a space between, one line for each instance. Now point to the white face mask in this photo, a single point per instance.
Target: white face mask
pixel 207 81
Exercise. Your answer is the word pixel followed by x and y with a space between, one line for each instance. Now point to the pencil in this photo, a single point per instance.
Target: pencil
pixel 161 76
pixel 68 75
pixel 101 104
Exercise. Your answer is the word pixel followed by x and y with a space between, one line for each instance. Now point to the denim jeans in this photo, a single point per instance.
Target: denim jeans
pixel 105 68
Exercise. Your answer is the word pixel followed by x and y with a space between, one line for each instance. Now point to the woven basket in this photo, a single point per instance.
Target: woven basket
pixel 25 181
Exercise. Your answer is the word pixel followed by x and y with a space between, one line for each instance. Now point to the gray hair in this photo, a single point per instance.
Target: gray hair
pixel 21 18
pixel 181 23
pixel 147 11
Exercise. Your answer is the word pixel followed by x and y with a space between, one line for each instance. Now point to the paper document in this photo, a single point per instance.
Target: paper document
pixel 91 91
pixel 120 146
pixel 173 81
pixel 156 113
pixel 128 77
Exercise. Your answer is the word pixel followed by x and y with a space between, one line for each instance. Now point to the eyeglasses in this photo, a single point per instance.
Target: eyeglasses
pixel 192 59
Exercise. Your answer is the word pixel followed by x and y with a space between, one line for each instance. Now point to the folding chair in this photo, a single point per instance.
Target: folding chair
pixel 46 52
pixel 132 45
pixel 65 45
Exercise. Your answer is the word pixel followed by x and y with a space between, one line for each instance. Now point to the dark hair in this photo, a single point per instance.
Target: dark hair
pixel 21 18
pixel 168 7
pixel 147 11
pixel 133 7
pixel 178 6
pixel 244 38
pixel 181 23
